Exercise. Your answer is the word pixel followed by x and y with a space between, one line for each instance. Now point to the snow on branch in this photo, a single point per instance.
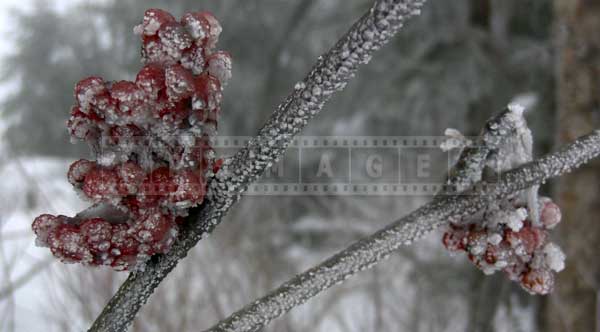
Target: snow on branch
pixel 443 209
pixel 330 74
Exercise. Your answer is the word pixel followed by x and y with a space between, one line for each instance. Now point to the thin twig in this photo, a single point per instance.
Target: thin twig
pixel 370 250
pixel 331 74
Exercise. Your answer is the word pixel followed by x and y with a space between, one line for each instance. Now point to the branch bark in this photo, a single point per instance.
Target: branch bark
pixel 330 74
pixel 365 253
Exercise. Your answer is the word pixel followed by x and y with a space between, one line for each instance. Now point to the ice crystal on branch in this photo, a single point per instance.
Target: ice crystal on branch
pixel 151 139
pixel 510 235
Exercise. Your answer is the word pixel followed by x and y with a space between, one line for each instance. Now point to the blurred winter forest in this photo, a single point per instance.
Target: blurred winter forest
pixel 454 66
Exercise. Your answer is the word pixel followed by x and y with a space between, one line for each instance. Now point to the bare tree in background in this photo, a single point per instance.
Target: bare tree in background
pixel 575 305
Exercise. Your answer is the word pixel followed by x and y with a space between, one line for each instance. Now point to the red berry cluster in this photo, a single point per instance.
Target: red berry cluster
pixel 506 240
pixel 152 143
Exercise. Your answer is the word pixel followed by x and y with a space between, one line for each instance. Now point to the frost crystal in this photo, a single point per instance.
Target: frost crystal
pixel 510 235
pixel 151 140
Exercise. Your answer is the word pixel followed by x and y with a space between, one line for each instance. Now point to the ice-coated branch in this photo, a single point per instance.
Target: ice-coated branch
pixel 365 253
pixel 469 167
pixel 330 74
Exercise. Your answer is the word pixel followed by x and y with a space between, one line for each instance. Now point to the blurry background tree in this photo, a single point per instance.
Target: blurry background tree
pixel 575 306
pixel 454 66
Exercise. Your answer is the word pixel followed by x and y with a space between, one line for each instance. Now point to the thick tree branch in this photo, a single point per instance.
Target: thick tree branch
pixel 331 73
pixel 365 253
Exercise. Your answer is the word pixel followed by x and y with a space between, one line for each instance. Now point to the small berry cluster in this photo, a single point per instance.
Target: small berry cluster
pixel 152 143
pixel 506 240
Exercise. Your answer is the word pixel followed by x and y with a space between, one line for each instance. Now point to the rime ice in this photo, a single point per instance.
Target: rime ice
pixel 512 234
pixel 152 143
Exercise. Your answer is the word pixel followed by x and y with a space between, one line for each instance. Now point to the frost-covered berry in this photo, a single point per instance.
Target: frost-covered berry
pixel 100 184
pixel 219 66
pixel 153 20
pixel 190 188
pixel 130 176
pixel 203 27
pixel 67 243
pixel 550 215
pixel 88 91
pixel 207 93
pixel 129 97
pixel 78 170
pixel 151 79
pixel 174 39
pixel 151 141
pixel 507 240
pixel 153 227
pixel 180 82
pixel 538 281
pixel 42 225
pixel 97 233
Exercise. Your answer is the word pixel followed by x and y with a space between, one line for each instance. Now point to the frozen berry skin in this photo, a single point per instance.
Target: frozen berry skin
pixel 151 79
pixel 190 188
pixel 88 91
pixel 526 256
pixel 551 215
pixel 197 26
pixel 219 66
pixel 81 125
pixel 101 184
pixel 42 225
pixel 129 97
pixel 130 177
pixel 153 20
pixel 207 92
pixel 97 234
pixel 151 144
pixel 67 243
pixel 78 170
pixel 193 59
pixel 538 281
pixel 159 183
pixel 175 39
pixel 180 82
pixel 153 227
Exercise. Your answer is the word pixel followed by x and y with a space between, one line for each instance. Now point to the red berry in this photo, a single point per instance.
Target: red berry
pixel 151 79
pixel 68 244
pixel 219 66
pixel 157 186
pixel 491 255
pixel 88 90
pixel 131 176
pixel 217 166
pixel 126 135
pixel 538 281
pixel 152 227
pixel 81 125
pixel 152 140
pixel 78 170
pixel 190 188
pixel 100 184
pixel 129 97
pixel 175 39
pixel 198 25
pixel 193 59
pixel 180 82
pixel 42 225
pixel 550 215
pixel 531 238
pixel 123 244
pixel 97 234
pixel 207 92
pixel 153 20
